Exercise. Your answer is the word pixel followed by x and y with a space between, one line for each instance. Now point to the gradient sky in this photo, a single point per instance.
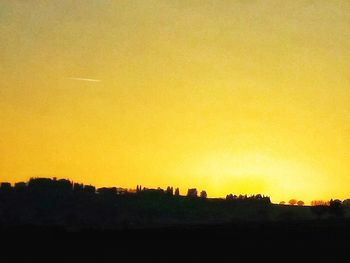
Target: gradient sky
pixel 227 96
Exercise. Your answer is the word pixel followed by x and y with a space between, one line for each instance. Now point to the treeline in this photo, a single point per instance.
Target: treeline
pixel 56 186
pixel 333 207
pixel 320 208
pixel 61 202
pixel 293 202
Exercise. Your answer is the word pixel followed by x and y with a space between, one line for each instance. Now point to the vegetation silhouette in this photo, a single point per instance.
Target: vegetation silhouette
pixel 61 202
pixel 75 206
pixel 107 218
pixel 292 201
pixel 300 203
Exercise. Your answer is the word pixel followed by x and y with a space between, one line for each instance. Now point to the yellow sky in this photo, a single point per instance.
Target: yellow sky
pixel 227 96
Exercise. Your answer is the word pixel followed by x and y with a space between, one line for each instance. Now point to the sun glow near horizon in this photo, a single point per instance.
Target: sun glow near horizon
pixel 230 96
pixel 253 173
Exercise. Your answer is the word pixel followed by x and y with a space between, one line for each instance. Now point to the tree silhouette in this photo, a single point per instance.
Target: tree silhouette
pixel 292 201
pixel 192 192
pixel 346 202
pixel 138 189
pixel 169 191
pixel 229 197
pixel 336 207
pixel 89 189
pixel 300 203
pixel 20 186
pixel 78 187
pixel 319 203
pixel 177 192
pixel 203 194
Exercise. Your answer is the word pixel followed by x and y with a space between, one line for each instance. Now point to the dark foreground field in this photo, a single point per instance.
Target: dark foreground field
pixel 316 239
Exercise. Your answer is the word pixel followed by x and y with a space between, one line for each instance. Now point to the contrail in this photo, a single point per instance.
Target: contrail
pixel 84 79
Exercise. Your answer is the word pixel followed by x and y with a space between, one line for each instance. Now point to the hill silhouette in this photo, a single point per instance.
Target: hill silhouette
pixel 60 202
pixel 74 206
pixel 56 210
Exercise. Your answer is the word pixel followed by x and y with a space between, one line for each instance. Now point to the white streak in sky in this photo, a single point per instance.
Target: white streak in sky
pixel 84 79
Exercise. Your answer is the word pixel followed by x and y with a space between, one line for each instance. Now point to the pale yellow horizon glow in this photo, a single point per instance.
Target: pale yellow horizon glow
pixel 235 97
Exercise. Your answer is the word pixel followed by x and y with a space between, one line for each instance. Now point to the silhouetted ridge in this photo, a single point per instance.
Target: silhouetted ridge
pixel 73 206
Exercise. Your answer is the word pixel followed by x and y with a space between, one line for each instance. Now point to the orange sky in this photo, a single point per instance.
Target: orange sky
pixel 226 96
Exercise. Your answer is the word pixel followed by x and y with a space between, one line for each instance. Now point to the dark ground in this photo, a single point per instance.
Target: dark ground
pixel 282 241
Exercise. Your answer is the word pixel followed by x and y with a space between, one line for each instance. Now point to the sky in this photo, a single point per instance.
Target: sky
pixel 235 97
